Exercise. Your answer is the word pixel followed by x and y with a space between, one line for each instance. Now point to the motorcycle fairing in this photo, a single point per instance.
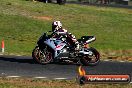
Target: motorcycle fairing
pixel 85 52
pixel 56 45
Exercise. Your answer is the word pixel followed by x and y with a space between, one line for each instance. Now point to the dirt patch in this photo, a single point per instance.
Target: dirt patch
pixel 43 17
pixel 122 58
pixel 123 55
pixel 32 83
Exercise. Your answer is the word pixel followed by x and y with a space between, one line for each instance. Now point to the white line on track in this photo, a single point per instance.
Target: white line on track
pixel 40 77
pixel 60 78
pixel 13 76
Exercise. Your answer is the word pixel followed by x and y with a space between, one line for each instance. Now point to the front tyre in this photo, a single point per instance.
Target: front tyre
pixel 42 56
pixel 91 59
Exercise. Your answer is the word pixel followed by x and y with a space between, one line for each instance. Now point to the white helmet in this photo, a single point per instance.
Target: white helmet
pixel 56 25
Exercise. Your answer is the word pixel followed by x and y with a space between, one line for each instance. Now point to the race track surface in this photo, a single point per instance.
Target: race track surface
pixel 23 66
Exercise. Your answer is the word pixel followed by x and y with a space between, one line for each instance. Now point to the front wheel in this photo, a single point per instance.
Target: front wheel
pixel 42 56
pixel 91 59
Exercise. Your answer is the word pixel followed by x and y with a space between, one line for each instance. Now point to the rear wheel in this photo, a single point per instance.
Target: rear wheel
pixel 92 59
pixel 42 56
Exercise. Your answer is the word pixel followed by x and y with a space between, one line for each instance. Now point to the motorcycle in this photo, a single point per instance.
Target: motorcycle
pixel 51 49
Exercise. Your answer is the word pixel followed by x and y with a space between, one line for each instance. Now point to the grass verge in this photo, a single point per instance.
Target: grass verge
pixel 22 22
pixel 35 83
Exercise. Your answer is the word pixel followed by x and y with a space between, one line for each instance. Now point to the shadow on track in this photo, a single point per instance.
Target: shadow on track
pixel 19 59
pixel 29 60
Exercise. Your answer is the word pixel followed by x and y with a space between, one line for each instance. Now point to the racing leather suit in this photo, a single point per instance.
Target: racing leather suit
pixel 70 38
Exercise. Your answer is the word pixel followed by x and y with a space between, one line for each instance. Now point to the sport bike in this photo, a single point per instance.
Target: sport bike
pixel 59 49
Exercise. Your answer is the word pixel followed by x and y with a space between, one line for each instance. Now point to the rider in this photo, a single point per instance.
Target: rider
pixel 57 28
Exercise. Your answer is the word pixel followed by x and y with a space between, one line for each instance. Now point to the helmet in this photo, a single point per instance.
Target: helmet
pixel 56 25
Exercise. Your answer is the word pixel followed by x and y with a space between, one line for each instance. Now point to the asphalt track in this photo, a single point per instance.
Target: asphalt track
pixel 24 66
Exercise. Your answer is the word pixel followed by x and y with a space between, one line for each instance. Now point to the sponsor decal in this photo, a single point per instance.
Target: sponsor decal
pixel 111 78
pixel 58 46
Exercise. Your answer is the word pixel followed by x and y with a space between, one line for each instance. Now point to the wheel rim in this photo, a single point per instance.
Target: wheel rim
pixel 91 59
pixel 43 57
pixel 47 57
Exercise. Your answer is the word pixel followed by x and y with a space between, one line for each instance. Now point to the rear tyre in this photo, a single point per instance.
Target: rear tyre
pixel 92 59
pixel 42 56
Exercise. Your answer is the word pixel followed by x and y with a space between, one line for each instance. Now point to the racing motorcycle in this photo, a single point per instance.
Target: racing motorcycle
pixel 51 49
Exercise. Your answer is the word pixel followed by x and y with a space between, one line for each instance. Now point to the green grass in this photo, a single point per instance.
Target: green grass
pixel 20 35
pixel 111 26
pixel 34 83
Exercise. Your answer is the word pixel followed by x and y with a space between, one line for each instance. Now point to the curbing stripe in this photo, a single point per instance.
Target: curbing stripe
pixel 1 54
pixel 60 78
pixel 122 61
pixel 106 60
pixel 18 55
pixel 40 77
pixel 13 76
